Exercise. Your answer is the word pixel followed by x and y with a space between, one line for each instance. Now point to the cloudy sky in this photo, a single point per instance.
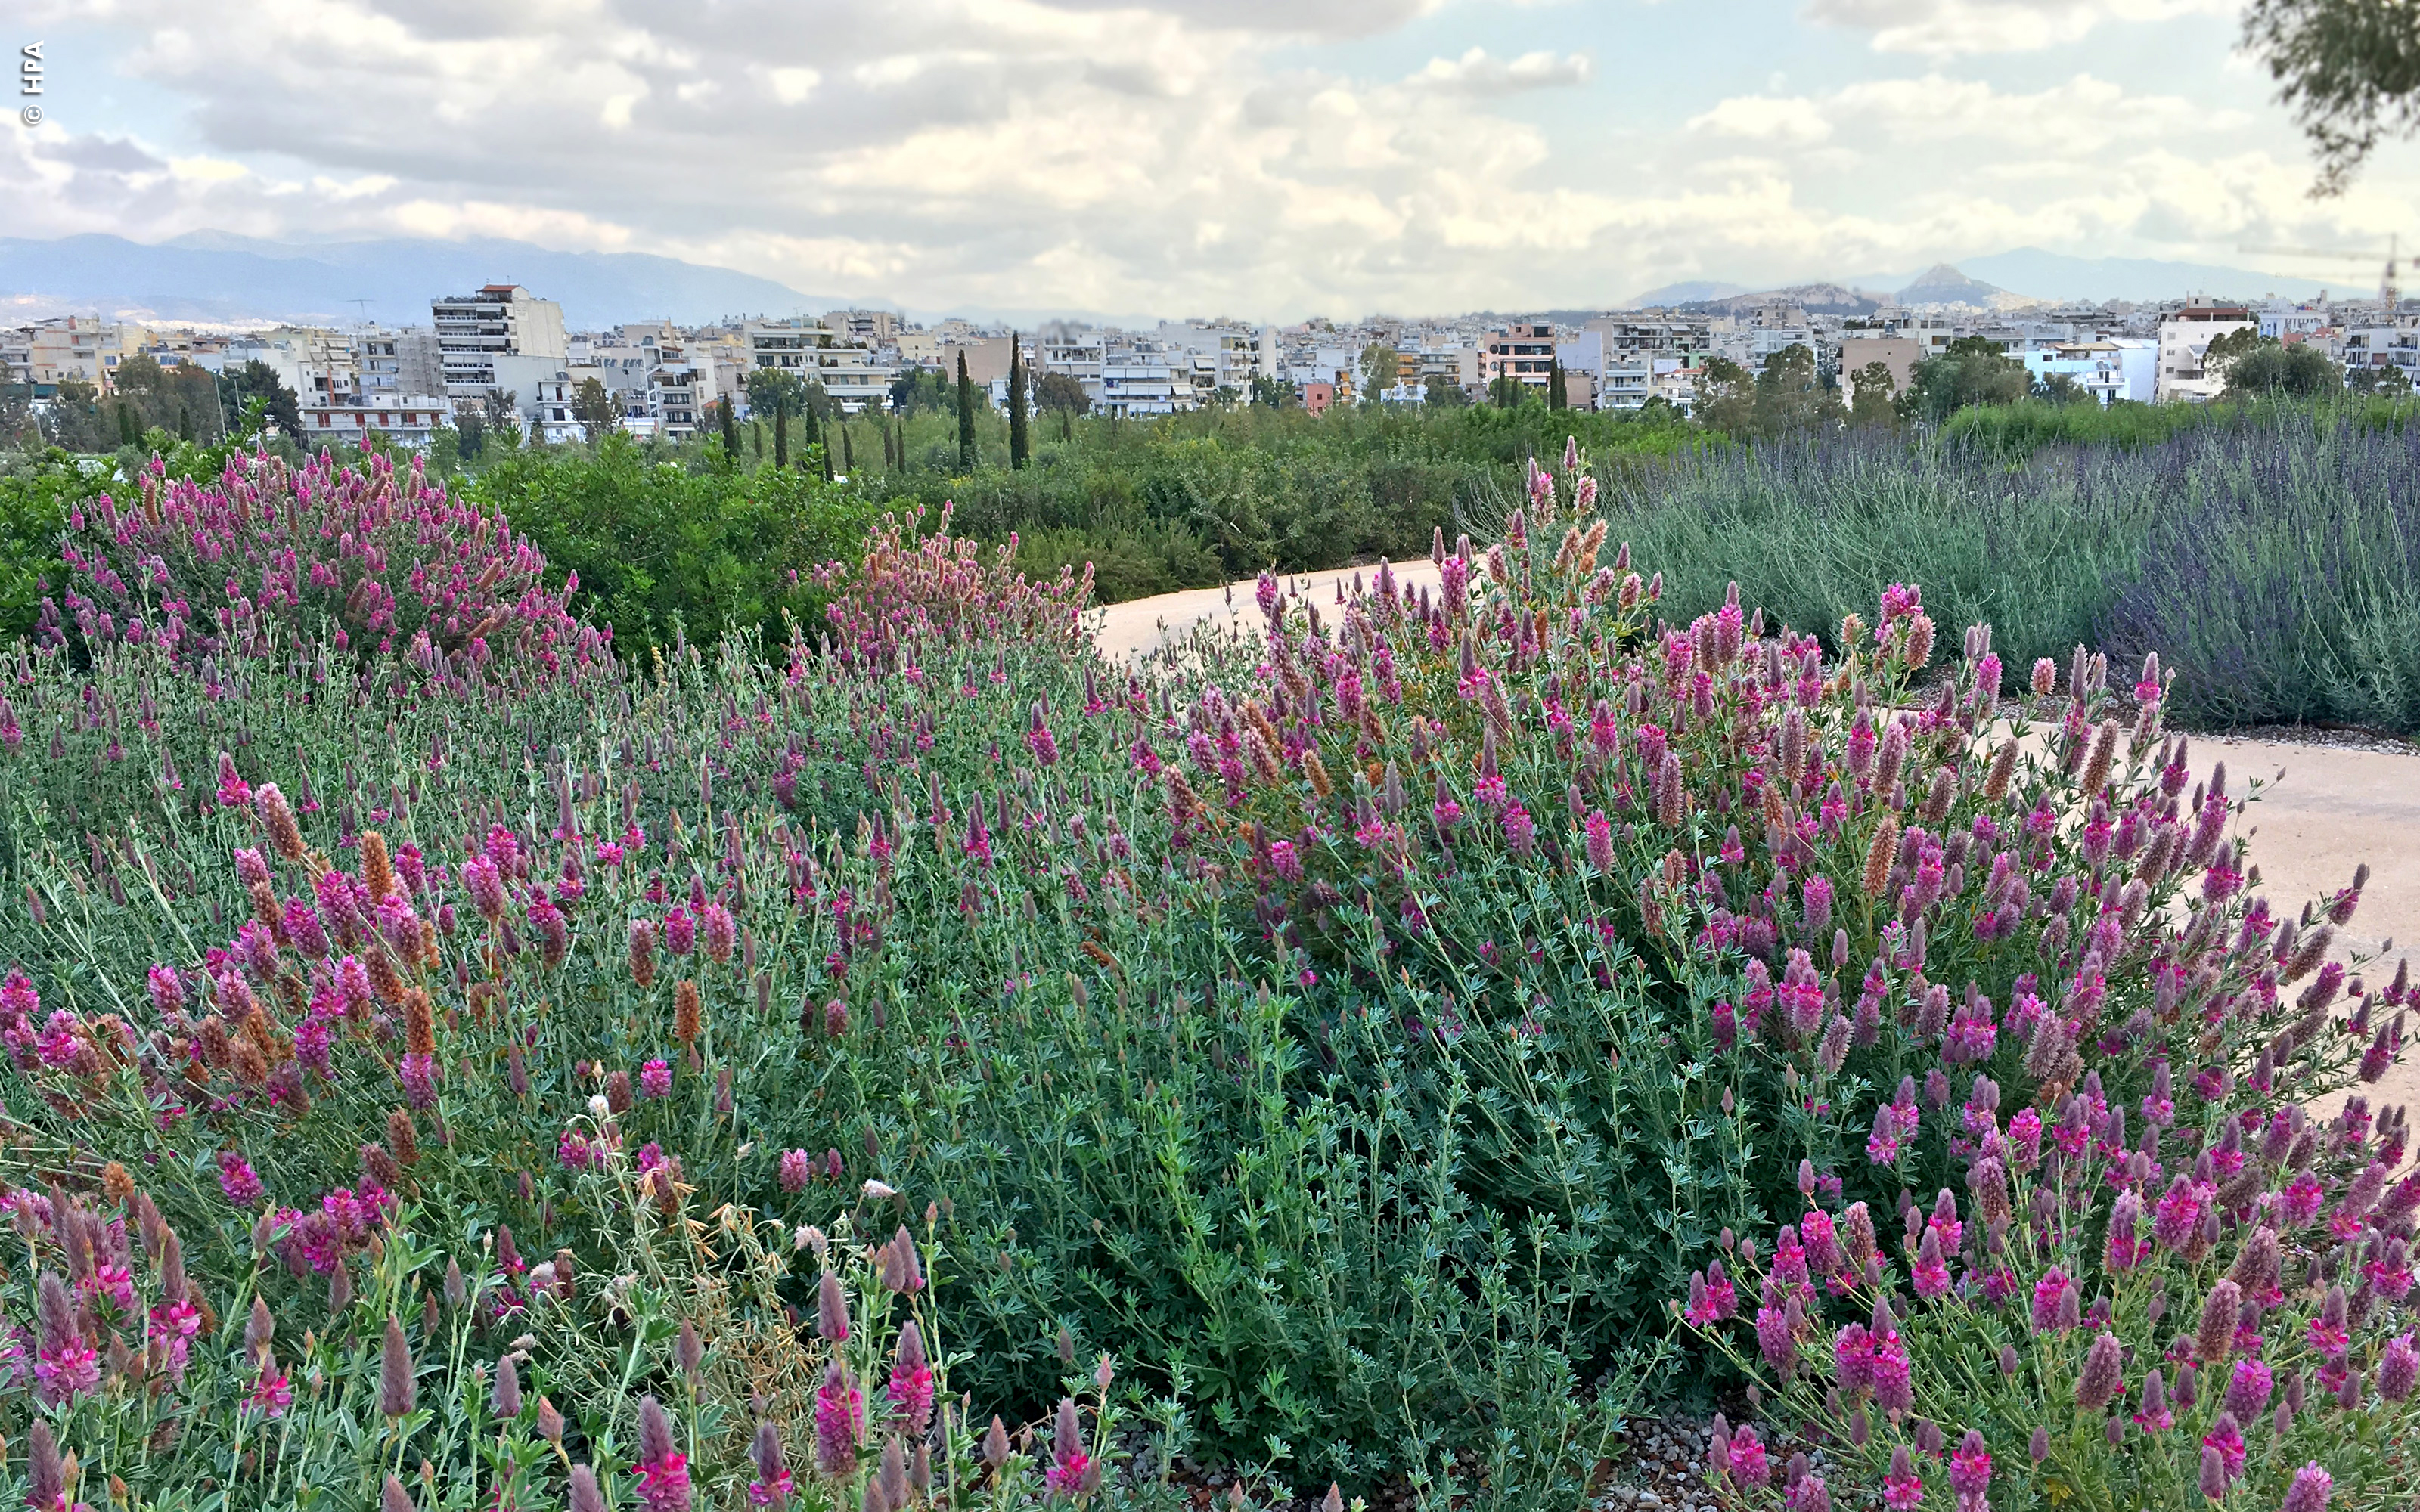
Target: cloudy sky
pixel 1264 157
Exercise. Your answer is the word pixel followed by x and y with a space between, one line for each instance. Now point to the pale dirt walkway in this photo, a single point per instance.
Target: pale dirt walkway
pixel 2334 809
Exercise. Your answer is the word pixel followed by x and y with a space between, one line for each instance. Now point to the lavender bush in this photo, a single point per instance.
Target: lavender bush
pixel 2269 558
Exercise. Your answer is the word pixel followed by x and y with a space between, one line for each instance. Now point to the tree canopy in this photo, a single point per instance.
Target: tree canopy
pixel 2271 367
pixel 1971 370
pixel 2348 68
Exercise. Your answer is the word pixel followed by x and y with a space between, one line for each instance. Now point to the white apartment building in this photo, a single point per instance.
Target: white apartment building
pixel 1233 350
pixel 2185 335
pixel 1080 355
pixel 1628 384
pixel 405 420
pixel 279 353
pixel 2284 319
pixel 379 362
pixel 621 364
pixel 477 332
pixel 1142 386
pixel 2377 345
pixel 678 393
pixel 857 378
pixel 2109 368
pixel 788 345
pixel 551 403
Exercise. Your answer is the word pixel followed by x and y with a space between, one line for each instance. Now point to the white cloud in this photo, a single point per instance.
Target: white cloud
pixel 1764 118
pixel 1948 28
pixel 793 87
pixel 1476 72
pixel 1155 154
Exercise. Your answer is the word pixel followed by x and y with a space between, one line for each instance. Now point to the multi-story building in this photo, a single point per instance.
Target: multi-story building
pixel 420 367
pixel 480 335
pixel 788 345
pixel 1142 386
pixel 856 377
pixel 1862 347
pixel 1233 350
pixel 407 419
pixel 873 329
pixel 678 393
pixel 278 351
pixel 378 366
pixel 1629 338
pixel 1524 353
pixel 552 403
pixel 78 348
pixel 2285 320
pixel 1077 354
pixel 2108 369
pixel 2376 347
pixel 2185 335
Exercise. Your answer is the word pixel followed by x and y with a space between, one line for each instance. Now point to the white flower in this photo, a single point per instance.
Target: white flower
pixel 876 1189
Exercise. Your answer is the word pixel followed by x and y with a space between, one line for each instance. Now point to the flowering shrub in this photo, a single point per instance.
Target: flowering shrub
pixel 375 564
pixel 937 589
pixel 1363 1031
pixel 288 1305
pixel 2216 1308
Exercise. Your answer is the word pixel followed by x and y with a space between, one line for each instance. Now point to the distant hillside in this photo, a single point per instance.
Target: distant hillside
pixel 2036 274
pixel 1815 298
pixel 2050 276
pixel 1693 291
pixel 1941 284
pixel 214 276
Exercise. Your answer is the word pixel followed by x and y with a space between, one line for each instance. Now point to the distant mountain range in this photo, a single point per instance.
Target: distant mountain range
pixel 1692 291
pixel 216 277
pixel 2007 279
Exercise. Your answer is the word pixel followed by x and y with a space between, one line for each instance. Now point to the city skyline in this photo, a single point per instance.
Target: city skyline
pixel 1333 158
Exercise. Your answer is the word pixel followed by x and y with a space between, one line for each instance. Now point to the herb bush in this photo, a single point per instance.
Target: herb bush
pixel 2267 554
pixel 1358 1032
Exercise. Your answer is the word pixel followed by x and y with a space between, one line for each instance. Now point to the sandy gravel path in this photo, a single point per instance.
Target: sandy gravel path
pixel 2332 809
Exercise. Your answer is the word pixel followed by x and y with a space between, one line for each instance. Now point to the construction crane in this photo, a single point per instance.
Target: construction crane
pixel 2387 290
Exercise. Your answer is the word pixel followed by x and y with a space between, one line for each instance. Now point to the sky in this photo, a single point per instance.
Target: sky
pixel 1261 158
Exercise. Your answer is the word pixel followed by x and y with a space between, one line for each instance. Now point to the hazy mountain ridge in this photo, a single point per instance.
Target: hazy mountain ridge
pixel 223 278
pixel 218 277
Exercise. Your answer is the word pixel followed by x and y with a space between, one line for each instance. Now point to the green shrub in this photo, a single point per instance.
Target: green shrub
pixel 663 544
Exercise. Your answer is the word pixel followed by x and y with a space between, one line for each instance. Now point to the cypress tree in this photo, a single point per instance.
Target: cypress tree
pixel 966 416
pixel 1020 444
pixel 782 429
pixel 847 452
pixel 1558 397
pixel 814 426
pixel 184 425
pixel 730 429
